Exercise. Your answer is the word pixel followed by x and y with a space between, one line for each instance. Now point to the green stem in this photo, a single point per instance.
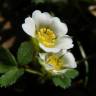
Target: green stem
pixel 33 72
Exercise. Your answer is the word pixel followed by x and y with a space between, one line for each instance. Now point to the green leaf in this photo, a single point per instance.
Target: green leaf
pixel 63 82
pixel 6 57
pixel 4 68
pixel 25 53
pixel 10 77
pixel 71 73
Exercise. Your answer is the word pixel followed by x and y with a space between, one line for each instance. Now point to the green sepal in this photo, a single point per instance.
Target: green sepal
pixel 36 44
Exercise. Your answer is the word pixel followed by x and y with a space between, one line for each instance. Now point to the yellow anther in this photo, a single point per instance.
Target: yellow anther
pixel 44 29
pixel 47 37
pixel 41 30
pixel 48 30
pixel 55 61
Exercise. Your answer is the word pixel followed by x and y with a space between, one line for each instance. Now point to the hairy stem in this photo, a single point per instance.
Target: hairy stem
pixel 33 72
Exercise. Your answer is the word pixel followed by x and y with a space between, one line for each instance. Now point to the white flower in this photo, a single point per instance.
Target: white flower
pixel 49 31
pixel 57 63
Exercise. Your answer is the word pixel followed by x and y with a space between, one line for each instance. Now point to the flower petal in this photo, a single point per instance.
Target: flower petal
pixel 69 60
pixel 54 50
pixel 59 28
pixel 41 19
pixel 64 43
pixel 29 26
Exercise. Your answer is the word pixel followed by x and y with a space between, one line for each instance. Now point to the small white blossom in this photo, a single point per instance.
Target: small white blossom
pixel 57 63
pixel 49 31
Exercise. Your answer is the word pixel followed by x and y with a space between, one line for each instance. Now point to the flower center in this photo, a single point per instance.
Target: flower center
pixel 55 62
pixel 47 37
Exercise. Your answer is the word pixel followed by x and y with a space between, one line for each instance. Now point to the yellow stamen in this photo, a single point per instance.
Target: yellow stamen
pixel 47 37
pixel 55 61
